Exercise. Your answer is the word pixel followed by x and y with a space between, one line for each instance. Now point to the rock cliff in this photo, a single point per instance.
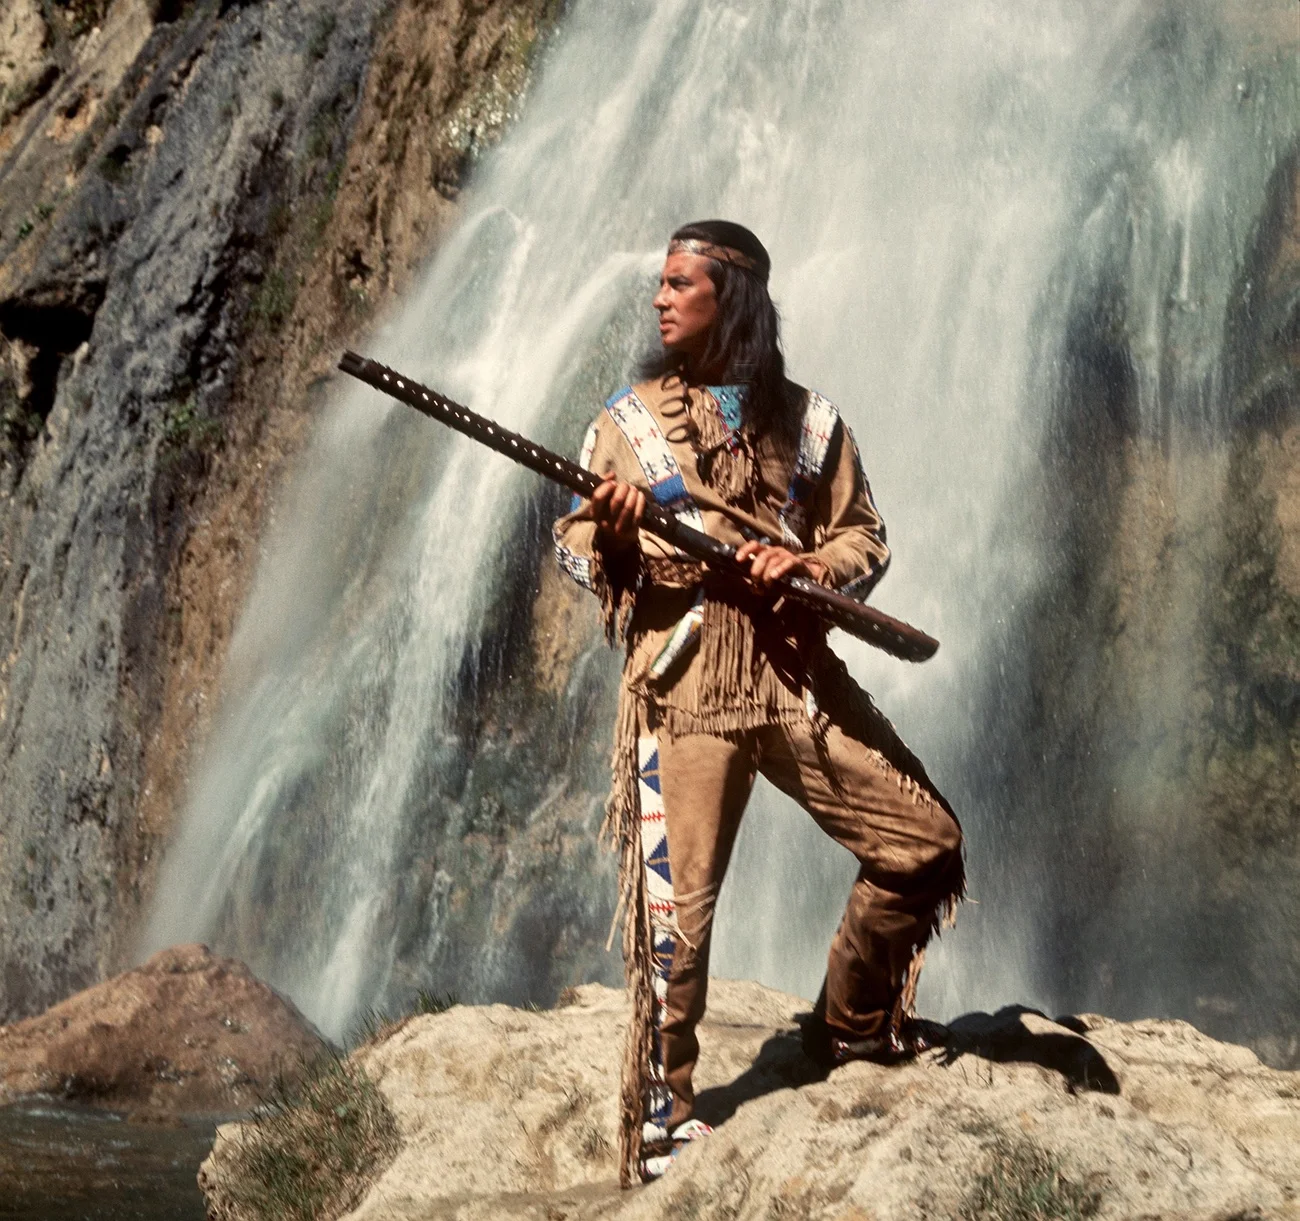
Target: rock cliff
pixel 198 204
pixel 504 1113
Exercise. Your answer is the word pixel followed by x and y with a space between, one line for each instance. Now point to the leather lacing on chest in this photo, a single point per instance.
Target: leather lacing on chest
pixel 724 457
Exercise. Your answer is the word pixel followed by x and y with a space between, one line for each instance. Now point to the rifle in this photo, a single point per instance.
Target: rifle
pixel 865 622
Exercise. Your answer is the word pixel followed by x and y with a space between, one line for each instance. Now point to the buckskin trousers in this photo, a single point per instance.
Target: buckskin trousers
pixel 907 844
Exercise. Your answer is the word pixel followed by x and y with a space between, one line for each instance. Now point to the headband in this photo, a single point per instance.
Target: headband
pixel 723 254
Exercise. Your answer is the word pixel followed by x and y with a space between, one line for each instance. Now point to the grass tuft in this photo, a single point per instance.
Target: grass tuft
pixel 376 1023
pixel 373 1024
pixel 428 1001
pixel 185 428
pixel 1024 1183
pixel 273 302
pixel 311 1150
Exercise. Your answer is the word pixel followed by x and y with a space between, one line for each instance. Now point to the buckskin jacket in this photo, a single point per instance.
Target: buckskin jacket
pixel 704 653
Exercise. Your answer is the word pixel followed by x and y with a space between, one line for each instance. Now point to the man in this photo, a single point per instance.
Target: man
pixel 722 680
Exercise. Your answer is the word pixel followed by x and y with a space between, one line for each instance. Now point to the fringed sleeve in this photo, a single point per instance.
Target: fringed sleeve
pixel 850 536
pixel 613 576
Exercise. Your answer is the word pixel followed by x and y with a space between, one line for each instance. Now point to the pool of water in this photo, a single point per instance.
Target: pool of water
pixel 64 1163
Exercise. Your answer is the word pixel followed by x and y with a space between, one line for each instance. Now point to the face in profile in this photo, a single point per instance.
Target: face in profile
pixel 687 303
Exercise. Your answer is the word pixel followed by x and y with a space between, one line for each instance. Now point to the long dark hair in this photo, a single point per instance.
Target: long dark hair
pixel 745 341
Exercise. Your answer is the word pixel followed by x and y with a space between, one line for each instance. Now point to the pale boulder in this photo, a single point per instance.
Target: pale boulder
pixel 506 1113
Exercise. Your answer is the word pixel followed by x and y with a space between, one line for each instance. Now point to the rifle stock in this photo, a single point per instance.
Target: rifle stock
pixel 865 622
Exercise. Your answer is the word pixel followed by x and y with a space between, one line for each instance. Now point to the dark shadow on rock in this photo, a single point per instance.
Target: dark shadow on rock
pixel 779 1065
pixel 1001 1037
pixel 1004 1038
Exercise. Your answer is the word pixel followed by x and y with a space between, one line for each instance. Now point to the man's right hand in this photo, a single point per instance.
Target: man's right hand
pixel 617 509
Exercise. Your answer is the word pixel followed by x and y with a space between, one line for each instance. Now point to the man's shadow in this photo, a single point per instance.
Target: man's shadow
pixel 781 1064
pixel 1000 1038
pixel 1005 1038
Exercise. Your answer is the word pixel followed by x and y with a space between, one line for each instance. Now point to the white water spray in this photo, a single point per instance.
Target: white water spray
pixel 916 171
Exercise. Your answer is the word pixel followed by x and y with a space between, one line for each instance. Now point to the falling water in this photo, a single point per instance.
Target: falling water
pixel 404 784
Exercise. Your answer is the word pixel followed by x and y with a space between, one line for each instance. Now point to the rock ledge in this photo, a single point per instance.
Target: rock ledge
pixel 510 1114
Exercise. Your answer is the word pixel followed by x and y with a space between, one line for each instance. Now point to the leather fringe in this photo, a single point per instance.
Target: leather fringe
pixel 622 829
pixel 907 1000
pixel 731 684
pixel 857 714
pixel 615 581
pixel 945 917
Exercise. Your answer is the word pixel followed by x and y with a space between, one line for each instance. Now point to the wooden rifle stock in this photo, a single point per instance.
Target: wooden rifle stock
pixel 866 623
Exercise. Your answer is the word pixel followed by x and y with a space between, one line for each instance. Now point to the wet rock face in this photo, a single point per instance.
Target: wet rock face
pixel 1156 722
pixel 1082 1116
pixel 199 205
pixel 136 190
pixel 186 1033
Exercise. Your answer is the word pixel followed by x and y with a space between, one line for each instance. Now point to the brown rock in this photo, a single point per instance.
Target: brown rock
pixel 185 1033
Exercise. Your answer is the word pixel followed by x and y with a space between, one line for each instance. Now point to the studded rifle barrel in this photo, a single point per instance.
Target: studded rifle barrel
pixel 895 637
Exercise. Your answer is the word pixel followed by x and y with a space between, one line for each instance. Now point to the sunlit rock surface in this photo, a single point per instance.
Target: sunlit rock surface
pixel 188 1032
pixel 508 1113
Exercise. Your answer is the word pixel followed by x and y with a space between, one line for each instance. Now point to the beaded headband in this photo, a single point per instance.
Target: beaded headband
pixel 723 254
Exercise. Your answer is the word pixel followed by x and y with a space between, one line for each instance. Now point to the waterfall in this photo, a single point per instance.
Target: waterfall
pixel 403 785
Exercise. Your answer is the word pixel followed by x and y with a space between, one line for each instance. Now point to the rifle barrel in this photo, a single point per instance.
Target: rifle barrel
pixel 895 637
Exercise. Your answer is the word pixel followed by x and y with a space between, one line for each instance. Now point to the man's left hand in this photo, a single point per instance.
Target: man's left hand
pixel 768 564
